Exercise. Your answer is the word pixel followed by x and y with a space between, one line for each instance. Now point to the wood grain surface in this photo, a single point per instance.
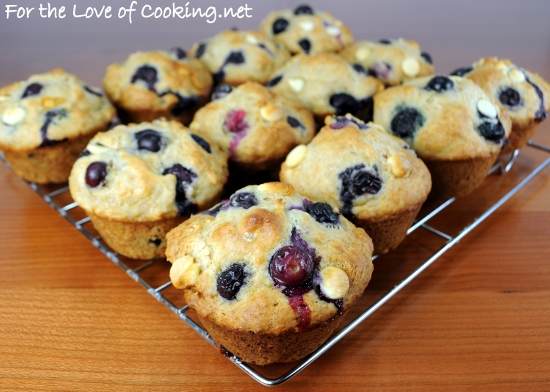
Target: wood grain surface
pixel 478 320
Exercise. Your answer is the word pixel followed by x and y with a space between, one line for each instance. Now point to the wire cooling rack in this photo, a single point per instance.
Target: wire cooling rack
pixel 58 197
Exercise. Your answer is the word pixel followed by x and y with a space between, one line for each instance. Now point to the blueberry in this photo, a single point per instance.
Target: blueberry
pixel 155 241
pixel 540 114
pixel 294 122
pixel 96 173
pixel 492 130
pixel 305 44
pixel 406 122
pixel 343 121
pixel 92 91
pixel 426 56
pixel 221 91
pixel 440 84
pixel 179 53
pixel 148 140
pixel 244 200
pixel 366 107
pixel 218 77
pixel 384 41
pixel 357 181
pixel 184 104
pixel 84 153
pixel 344 103
pixel 322 213
pixel 32 89
pixel 236 57
pixel 359 69
pixel 184 177
pixel 146 74
pixel 280 25
pixel 275 81
pixel 200 50
pixel 509 97
pixel 231 280
pixel 303 9
pixel 462 71
pixel 50 117
pixel 201 142
pixel 291 266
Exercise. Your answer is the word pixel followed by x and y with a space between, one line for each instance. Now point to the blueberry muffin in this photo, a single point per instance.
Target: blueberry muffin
pixel 46 121
pixel 451 123
pixel 235 57
pixel 372 177
pixel 151 85
pixel 524 95
pixel 304 30
pixel 257 127
pixel 326 84
pixel 269 273
pixel 391 61
pixel 137 182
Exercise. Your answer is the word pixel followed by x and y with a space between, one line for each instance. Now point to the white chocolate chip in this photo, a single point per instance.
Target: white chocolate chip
pixel 410 66
pixel 486 108
pixel 13 115
pixel 362 54
pixel 502 67
pixel 296 156
pixel 307 25
pixel 184 272
pixel 334 282
pixel 296 84
pixel 248 236
pixel 271 113
pixel 334 31
pixel 517 76
pixel 251 39
pixel 399 167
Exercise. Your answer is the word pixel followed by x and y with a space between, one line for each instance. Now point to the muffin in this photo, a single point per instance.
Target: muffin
pixel 451 123
pixel 257 127
pixel 304 30
pixel 392 61
pixel 326 84
pixel 151 85
pixel 524 95
pixel 269 273
pixel 46 121
pixel 137 182
pixel 235 57
pixel 372 177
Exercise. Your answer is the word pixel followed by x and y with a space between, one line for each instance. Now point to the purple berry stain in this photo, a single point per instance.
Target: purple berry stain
pixel 235 122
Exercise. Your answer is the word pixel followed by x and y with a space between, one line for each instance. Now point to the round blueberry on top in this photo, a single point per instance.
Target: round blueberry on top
pixel 184 177
pixel 462 71
pixel 244 200
pixel 279 25
pixel 231 280
pixel 32 89
pixel 95 174
pixel 275 81
pixel 201 142
pixel 235 57
pixel 291 266
pixel 221 91
pixel 303 9
pixel 294 122
pixel 492 130
pixel 510 97
pixel 149 140
pixel 200 50
pixel 344 103
pixel 305 44
pixel 322 213
pixel 147 74
pixel 427 57
pixel 440 84
pixel 356 181
pixel 406 122
pixel 384 41
pixel 179 53
pixel 359 69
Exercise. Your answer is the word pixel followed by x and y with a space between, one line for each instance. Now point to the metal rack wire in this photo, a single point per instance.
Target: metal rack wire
pixel 59 199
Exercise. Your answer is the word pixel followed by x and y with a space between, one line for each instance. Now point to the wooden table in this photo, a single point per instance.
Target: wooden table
pixel 479 319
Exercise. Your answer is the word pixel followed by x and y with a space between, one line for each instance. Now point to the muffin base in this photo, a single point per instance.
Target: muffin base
pixel 518 138
pixel 388 233
pixel 265 349
pixel 459 177
pixel 51 164
pixel 136 240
